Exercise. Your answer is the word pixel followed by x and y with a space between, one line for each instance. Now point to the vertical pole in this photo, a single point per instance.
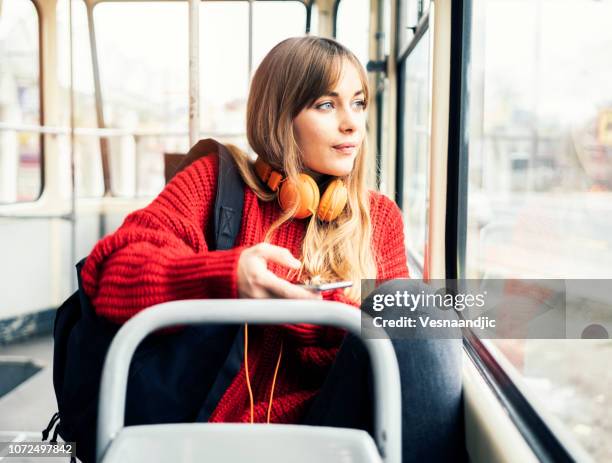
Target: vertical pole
pixel 380 89
pixel 250 73
pixel 440 55
pixel 250 38
pixel 104 142
pixel 194 71
pixel 73 192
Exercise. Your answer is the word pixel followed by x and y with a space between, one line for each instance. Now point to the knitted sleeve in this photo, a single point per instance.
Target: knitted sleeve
pixel 388 238
pixel 160 253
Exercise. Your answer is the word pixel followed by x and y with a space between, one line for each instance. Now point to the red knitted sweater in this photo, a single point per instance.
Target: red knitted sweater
pixel 160 254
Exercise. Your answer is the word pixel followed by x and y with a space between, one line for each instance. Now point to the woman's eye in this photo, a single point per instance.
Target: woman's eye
pixel 330 105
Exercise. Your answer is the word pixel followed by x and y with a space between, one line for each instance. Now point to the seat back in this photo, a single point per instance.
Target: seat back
pixel 386 379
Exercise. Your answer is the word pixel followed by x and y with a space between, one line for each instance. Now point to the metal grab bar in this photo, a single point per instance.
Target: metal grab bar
pixel 93 131
pixel 387 413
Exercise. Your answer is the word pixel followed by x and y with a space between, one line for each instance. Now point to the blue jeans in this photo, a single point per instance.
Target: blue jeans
pixel 432 405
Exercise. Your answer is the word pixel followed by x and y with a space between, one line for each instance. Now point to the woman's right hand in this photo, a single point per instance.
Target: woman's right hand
pixel 257 282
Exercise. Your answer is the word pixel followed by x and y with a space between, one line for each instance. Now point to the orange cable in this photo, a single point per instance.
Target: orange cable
pixel 280 354
pixel 246 368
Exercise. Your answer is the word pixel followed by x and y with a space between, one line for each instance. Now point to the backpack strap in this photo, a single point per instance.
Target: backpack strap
pixel 229 199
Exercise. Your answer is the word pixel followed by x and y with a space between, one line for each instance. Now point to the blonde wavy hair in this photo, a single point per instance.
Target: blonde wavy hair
pixel 290 78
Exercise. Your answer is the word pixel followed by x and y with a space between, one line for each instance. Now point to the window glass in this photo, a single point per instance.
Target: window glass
pixel 353 27
pixel 143 50
pixel 224 64
pixel 411 13
pixel 540 183
pixel 268 30
pixel 416 133
pixel 20 150
pixel 143 56
pixel 224 69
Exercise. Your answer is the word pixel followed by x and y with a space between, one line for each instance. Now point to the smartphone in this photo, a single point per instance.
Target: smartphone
pixel 328 286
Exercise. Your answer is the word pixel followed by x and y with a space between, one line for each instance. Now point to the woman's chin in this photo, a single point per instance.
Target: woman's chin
pixel 342 173
pixel 340 169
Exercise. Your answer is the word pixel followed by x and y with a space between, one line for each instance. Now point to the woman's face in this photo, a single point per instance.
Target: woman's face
pixel 331 130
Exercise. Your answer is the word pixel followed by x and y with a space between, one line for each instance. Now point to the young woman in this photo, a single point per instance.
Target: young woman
pixel 306 115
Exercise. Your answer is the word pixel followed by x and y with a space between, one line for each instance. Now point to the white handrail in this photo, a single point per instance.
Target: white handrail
pixel 63 130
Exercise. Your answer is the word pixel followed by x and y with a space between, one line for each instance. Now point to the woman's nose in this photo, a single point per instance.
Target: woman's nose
pixel 348 121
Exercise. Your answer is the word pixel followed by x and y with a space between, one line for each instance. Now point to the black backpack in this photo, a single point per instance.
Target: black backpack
pixel 173 378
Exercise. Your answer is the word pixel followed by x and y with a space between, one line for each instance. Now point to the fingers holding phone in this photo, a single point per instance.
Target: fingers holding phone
pixel 256 281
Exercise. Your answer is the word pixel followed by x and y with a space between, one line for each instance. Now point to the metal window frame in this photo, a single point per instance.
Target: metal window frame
pixel 422 19
pixel 458 142
pixel 41 96
pixel 543 442
pixel 420 31
pixel 335 18
pixel 404 51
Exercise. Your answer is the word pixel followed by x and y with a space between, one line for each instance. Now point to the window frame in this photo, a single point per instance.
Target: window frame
pixel 41 95
pixel 401 38
pixel 404 52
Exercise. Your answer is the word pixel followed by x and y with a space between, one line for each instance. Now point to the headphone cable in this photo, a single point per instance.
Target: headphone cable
pixel 246 370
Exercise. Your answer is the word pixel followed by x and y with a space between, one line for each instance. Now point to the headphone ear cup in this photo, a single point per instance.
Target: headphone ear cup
pixel 333 201
pixel 305 193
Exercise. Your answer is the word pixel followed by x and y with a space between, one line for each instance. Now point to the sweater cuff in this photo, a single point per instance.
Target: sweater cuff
pixel 217 272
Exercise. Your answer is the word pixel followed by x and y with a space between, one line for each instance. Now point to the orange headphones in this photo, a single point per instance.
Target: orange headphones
pixel 306 193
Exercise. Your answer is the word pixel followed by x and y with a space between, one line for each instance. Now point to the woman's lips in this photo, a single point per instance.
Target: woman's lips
pixel 345 148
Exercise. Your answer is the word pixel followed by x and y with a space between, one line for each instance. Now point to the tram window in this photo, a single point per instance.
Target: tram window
pixel 145 76
pixel 20 150
pixel 89 180
pixel 267 31
pixel 540 184
pixel 224 70
pixel 415 150
pixel 143 56
pixel 353 27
